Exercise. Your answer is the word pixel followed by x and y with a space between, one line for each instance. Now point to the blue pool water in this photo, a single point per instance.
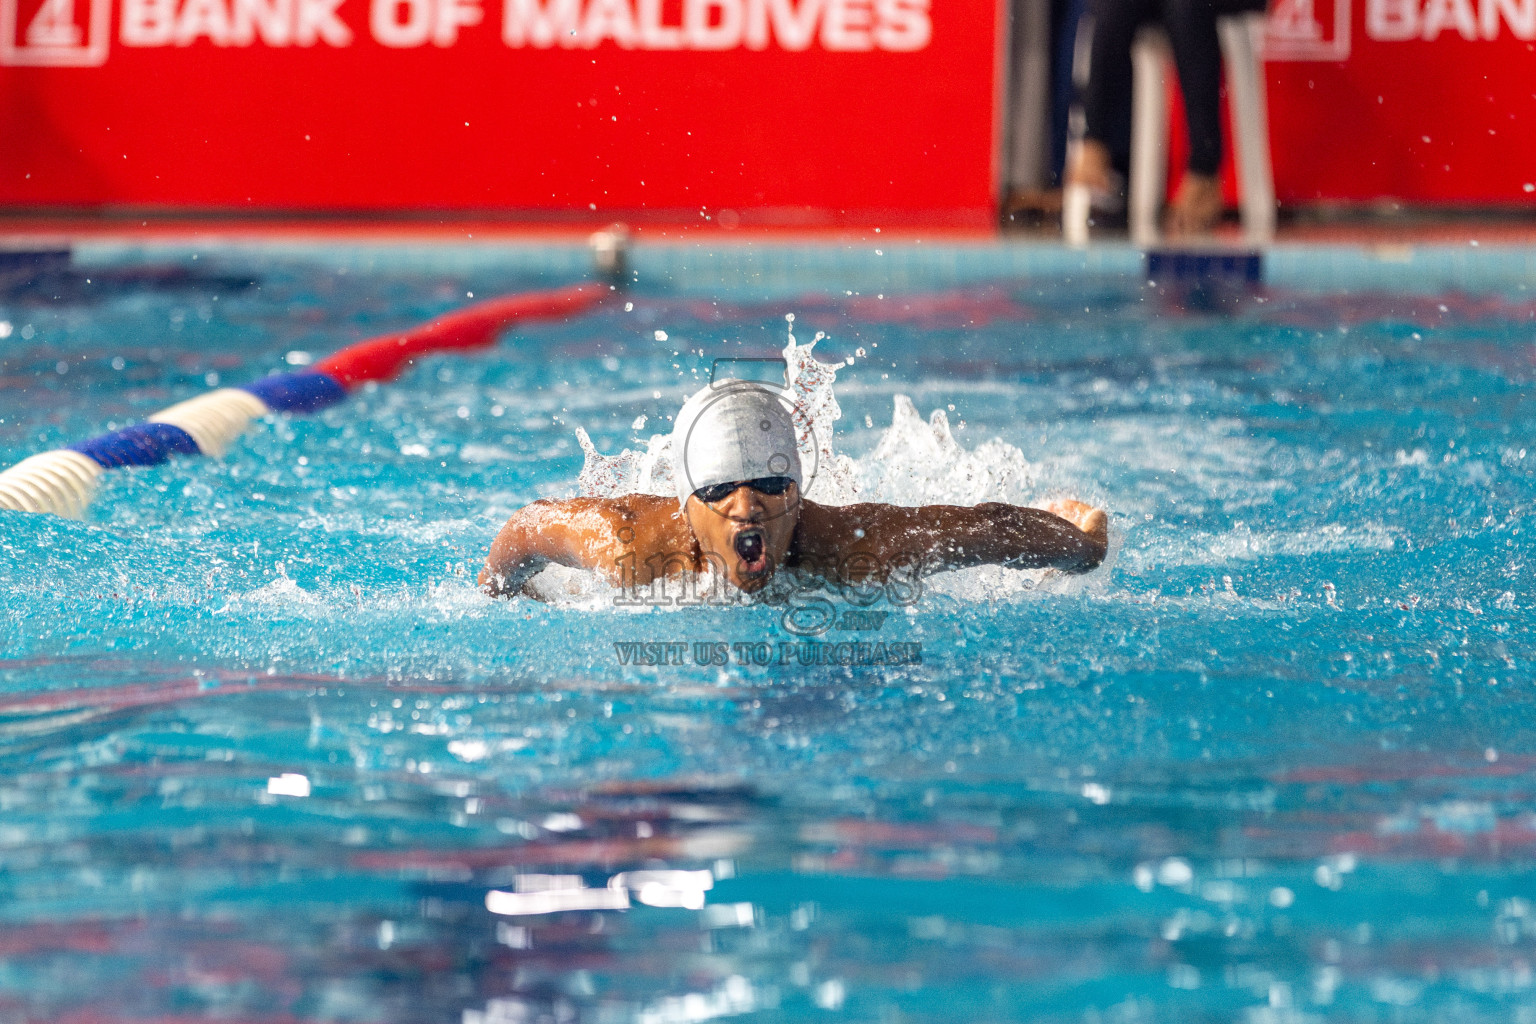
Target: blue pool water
pixel 1276 762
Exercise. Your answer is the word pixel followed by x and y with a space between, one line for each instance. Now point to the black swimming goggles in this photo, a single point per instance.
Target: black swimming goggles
pixel 773 486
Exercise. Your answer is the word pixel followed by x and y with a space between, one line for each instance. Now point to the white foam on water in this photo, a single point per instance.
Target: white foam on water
pixel 919 462
pixel 283 592
pixel 574 588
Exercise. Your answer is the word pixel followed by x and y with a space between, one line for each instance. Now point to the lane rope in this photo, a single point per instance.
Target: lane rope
pixel 62 482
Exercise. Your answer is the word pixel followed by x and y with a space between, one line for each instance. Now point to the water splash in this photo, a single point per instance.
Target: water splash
pixel 629 472
pixel 813 385
pixel 914 463
pixel 810 384
pixel 919 462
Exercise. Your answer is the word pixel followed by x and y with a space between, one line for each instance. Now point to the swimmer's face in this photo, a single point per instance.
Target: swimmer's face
pixel 747 533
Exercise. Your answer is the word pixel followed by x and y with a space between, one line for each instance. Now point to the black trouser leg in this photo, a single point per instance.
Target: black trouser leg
pixel 1107 94
pixel 1191 26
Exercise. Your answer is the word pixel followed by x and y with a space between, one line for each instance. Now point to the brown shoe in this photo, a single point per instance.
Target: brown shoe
pixel 1196 207
pixel 1089 166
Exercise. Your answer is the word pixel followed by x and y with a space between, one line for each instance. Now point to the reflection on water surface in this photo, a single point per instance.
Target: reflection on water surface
pixel 268 756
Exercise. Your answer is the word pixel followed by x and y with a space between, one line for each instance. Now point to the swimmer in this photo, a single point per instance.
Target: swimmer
pixel 739 511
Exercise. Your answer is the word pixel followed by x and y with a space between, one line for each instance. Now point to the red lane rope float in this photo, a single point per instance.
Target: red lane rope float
pixel 62 482
pixel 383 358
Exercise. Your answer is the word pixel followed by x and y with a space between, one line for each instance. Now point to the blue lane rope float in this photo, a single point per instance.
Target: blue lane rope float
pixel 62 482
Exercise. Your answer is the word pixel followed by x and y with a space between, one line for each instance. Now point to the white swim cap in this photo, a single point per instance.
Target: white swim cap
pixel 735 430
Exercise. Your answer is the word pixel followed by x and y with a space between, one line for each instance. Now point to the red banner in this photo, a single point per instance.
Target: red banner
pixel 745 111
pixel 1424 101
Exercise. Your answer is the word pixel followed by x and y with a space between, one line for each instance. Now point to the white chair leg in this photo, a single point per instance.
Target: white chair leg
pixel 1241 44
pixel 1149 135
pixel 1075 202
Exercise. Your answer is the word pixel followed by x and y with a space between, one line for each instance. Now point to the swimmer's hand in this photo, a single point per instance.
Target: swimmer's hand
pixel 509 584
pixel 1091 521
pixel 520 550
pixel 519 585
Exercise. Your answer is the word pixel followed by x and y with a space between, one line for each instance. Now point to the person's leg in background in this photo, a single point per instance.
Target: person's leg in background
pixel 1027 154
pixel 1104 147
pixel 1191 27
pixel 1066 15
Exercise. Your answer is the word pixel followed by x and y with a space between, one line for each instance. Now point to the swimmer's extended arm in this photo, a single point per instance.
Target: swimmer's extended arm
pixel 535 536
pixel 1024 538
pixel 880 539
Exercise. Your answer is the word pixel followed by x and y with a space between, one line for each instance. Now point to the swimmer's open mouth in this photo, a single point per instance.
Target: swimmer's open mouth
pixel 752 549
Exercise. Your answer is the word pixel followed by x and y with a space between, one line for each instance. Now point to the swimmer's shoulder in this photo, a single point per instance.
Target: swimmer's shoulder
pixel 641 531
pixel 835 530
pixel 622 509
pixel 642 519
